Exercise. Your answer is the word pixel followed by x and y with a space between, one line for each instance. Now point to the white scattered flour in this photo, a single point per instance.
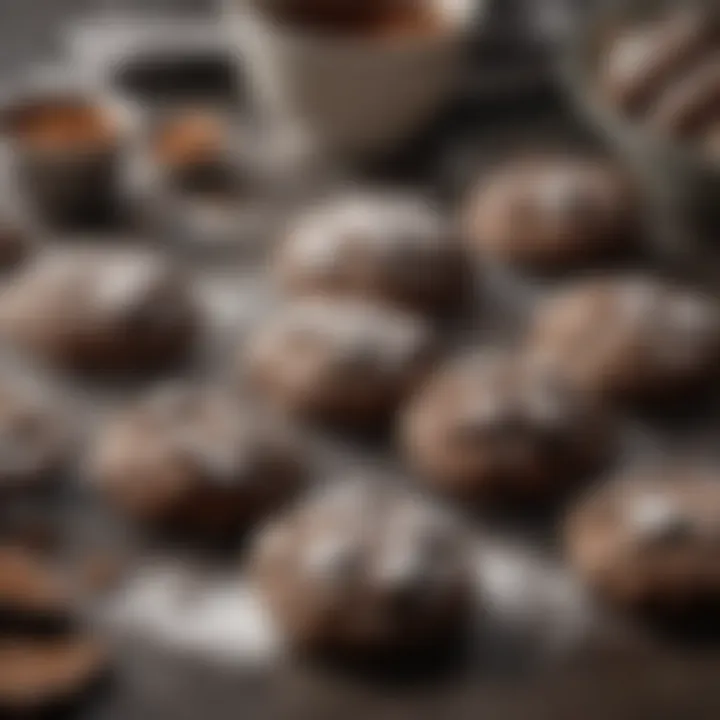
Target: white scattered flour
pixel 220 619
pixel 216 618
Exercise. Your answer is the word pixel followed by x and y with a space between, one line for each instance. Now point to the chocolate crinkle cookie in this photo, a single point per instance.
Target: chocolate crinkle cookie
pixel 649 541
pixel 37 437
pixel 630 339
pixel 391 248
pixel 197 461
pixel 339 361
pixel 101 312
pixel 548 213
pixel 494 427
pixel 363 569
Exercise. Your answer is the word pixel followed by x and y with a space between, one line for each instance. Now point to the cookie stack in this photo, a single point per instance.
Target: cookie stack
pixel 47 658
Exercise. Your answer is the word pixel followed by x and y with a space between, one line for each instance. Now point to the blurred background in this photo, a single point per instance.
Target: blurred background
pixel 188 641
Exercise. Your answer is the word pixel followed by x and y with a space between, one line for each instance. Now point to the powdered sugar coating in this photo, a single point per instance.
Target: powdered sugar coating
pixel 102 311
pixel 342 358
pixel 629 337
pixel 196 458
pixel 648 541
pixel 493 426
pixel 388 246
pixel 396 577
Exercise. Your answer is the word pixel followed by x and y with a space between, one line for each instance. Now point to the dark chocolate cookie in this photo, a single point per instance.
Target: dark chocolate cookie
pixel 550 213
pixel 196 460
pixel 365 569
pixel 649 541
pixel 339 361
pixel 630 339
pixel 494 427
pixel 101 312
pixel 393 248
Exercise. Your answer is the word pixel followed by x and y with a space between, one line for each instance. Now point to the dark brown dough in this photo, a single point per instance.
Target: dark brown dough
pixel 393 248
pixel 649 541
pixel 339 361
pixel 196 460
pixel 493 427
pixel 365 569
pixel 629 339
pixel 554 212
pixel 101 312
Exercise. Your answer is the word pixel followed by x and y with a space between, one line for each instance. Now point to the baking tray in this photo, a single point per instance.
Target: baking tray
pixel 202 647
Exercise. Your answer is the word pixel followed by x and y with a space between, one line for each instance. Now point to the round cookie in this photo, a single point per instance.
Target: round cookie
pixel 493 427
pixel 363 570
pixel 196 460
pixel 36 437
pixel 629 339
pixel 649 541
pixel 101 312
pixel 339 361
pixel 393 248
pixel 554 212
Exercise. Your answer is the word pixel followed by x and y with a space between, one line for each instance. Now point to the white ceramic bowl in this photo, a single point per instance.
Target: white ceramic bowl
pixel 350 95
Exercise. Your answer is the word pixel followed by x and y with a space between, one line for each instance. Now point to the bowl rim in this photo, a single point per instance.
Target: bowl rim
pixel 468 14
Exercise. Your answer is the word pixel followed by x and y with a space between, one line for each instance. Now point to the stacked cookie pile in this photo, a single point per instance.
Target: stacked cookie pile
pixel 47 657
